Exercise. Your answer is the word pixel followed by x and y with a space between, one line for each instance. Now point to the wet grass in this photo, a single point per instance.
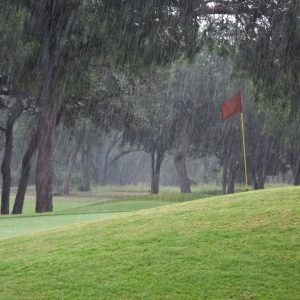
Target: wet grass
pixel 85 206
pixel 18 226
pixel 101 194
pixel 137 202
pixel 242 246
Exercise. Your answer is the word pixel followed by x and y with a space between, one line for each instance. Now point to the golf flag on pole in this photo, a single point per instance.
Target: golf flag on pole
pixel 231 106
pixel 228 109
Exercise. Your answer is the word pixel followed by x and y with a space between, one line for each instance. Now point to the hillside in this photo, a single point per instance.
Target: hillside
pixel 242 246
pixel 90 206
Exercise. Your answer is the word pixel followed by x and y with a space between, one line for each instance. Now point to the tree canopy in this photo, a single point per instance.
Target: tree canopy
pixel 155 71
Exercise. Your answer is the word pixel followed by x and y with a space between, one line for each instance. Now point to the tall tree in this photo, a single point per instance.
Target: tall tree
pixel 128 32
pixel 194 90
pixel 25 172
pixel 14 112
pixel 151 130
pixel 76 140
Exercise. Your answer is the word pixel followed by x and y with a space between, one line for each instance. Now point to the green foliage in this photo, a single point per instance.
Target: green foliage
pixel 153 115
pixel 193 181
pixel 18 55
pixel 269 55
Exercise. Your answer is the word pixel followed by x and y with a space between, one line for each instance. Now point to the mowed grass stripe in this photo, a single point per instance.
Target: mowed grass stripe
pixel 76 211
pixel 12 226
pixel 244 246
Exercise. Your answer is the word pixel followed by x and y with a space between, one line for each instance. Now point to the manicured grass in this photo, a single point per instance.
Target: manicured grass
pixel 59 203
pixel 82 207
pixel 77 201
pixel 17 226
pixel 136 203
pixel 242 246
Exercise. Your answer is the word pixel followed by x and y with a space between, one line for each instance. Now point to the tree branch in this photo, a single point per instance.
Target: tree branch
pixel 120 155
pixel 226 9
pixel 236 8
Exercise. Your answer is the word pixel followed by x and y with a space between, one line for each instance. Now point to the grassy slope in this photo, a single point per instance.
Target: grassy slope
pixel 244 246
pixel 98 195
pixel 73 209
pixel 18 226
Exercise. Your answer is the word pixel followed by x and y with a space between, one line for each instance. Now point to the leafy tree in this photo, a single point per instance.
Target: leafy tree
pixel 281 123
pixel 272 41
pixel 69 32
pixel 13 91
pixel 194 90
pixel 264 148
pixel 153 119
pixel 13 108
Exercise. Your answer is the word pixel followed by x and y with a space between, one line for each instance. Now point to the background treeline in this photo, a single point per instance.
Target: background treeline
pixel 113 92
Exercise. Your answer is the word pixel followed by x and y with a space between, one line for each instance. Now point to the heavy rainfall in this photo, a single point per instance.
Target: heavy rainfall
pixel 113 107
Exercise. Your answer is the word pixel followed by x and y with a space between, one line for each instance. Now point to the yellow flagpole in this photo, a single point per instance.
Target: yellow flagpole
pixel 244 146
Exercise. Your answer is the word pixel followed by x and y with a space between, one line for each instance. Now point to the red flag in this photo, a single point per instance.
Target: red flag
pixel 231 106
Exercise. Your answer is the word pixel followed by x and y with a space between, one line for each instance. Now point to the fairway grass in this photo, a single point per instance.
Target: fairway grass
pixel 18 226
pixel 103 194
pixel 83 207
pixel 242 246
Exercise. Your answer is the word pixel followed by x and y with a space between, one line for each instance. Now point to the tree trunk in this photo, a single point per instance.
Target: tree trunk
pixel 231 184
pixel 297 176
pixel 23 183
pixel 47 121
pixel 5 167
pixel 254 180
pixel 261 181
pixel 105 168
pixel 55 16
pixel 5 170
pixel 180 164
pixel 224 178
pixel 116 138
pixel 86 170
pixel 156 161
pixel 65 188
pixel 258 178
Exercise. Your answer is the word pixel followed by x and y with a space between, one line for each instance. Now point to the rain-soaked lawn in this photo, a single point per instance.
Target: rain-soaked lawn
pixel 99 203
pixel 241 246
